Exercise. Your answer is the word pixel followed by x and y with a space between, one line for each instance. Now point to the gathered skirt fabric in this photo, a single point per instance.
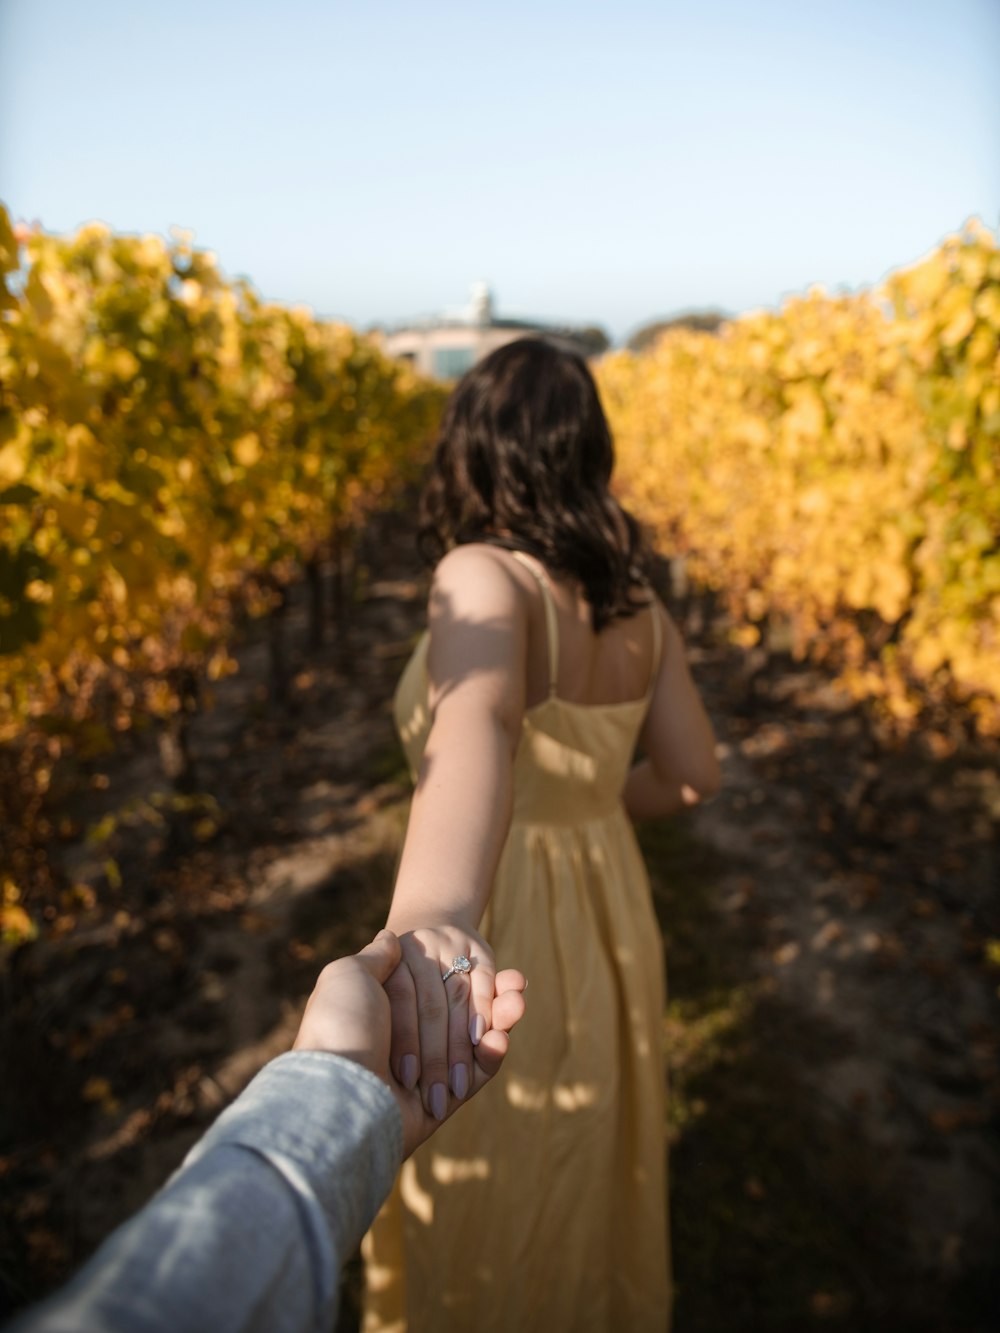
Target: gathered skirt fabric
pixel 542 1205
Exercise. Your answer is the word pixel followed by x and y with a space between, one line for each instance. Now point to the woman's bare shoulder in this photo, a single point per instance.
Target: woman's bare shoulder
pixel 478 635
pixel 476 574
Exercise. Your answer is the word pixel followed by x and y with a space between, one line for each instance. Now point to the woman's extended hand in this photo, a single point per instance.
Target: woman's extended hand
pixel 349 1014
pixel 436 1024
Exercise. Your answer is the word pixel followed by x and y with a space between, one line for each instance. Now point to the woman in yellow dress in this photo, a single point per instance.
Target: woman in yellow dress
pixel 547 660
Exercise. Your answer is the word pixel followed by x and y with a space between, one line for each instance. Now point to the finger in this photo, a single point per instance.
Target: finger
pixel 482 977
pixel 404 1042
pixel 508 1010
pixel 509 979
pixel 490 1055
pixel 457 989
pixel 432 1023
pixel 382 956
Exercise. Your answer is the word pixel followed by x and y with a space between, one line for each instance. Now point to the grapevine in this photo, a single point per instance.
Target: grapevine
pixel 173 450
pixel 834 468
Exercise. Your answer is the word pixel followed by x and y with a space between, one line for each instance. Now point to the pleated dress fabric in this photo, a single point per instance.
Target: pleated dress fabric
pixel 542 1205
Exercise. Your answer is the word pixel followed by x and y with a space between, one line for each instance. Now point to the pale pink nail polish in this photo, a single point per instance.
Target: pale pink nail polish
pixel 408 1071
pixel 476 1029
pixel 459 1081
pixel 438 1100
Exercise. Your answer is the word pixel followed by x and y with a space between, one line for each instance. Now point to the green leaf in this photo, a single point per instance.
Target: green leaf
pixel 102 830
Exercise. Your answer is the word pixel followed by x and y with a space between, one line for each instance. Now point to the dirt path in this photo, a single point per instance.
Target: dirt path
pixel 833 1025
pixel 831 1031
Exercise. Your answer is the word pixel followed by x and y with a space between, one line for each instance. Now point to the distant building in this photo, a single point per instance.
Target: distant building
pixel 445 346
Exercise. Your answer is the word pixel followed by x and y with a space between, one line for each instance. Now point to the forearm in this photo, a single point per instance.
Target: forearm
pixel 458 822
pixel 681 767
pixel 250 1233
pixel 648 796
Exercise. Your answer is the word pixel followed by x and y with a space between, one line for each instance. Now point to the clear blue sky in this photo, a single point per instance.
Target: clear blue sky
pixel 593 162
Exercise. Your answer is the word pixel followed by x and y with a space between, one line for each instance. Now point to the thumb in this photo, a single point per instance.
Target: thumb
pixel 382 956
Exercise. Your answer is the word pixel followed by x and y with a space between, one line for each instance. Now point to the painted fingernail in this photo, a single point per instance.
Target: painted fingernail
pixel 438 1100
pixel 408 1071
pixel 476 1029
pixel 459 1081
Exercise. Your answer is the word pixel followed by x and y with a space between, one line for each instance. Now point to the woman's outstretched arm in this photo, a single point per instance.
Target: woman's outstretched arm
pixel 459 820
pixel 680 768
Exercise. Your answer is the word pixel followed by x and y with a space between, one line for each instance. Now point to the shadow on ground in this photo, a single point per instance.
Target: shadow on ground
pixel 784 1217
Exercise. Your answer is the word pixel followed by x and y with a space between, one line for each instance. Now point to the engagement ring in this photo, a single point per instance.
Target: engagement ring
pixel 459 964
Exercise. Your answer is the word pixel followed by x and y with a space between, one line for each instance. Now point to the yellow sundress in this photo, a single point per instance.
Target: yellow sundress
pixel 542 1205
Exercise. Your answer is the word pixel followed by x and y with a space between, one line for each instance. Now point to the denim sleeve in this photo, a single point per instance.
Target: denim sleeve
pixel 250 1232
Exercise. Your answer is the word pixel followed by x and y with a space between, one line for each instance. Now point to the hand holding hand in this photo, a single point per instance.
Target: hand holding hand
pixel 441 1011
pixel 349 1014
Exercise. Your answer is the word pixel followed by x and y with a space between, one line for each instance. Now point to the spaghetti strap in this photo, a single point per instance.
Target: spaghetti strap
pixel 551 624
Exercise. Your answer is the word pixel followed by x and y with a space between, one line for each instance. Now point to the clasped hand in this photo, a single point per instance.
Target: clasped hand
pixel 438 1025
pixel 388 1009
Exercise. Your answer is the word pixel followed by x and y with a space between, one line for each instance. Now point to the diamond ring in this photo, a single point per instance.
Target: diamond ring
pixel 459 964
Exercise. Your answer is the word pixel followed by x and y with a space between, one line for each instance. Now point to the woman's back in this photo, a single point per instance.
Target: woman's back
pixel 585 695
pixel 612 667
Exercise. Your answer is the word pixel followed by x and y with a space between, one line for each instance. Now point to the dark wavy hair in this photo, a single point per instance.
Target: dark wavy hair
pixel 523 461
